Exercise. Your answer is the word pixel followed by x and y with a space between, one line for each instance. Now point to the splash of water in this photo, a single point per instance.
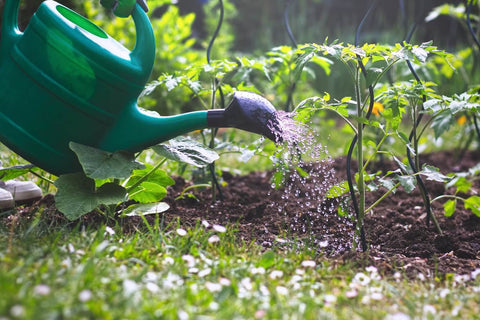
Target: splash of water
pixel 304 173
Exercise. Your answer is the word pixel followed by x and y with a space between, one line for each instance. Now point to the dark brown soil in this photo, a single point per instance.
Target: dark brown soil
pixel 397 234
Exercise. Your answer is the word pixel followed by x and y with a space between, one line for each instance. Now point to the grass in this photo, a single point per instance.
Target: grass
pixel 62 272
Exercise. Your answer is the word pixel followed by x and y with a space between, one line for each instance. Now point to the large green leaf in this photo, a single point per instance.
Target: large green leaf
pixel 99 164
pixel 188 151
pixel 77 195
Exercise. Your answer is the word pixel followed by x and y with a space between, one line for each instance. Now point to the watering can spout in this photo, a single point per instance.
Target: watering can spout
pixel 136 130
pixel 250 112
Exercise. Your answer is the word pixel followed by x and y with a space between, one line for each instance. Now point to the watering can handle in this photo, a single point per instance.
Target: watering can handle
pixel 10 31
pixel 143 54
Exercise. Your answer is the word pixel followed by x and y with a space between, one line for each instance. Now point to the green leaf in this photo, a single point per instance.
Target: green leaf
pixel 148 192
pixel 77 195
pixel 473 203
pixel 188 151
pixel 152 187
pixel 442 122
pixel 99 164
pixel 432 173
pixel 144 209
pixel 387 183
pixel 338 190
pixel 461 183
pixel 449 207
pixel 407 182
pixel 15 171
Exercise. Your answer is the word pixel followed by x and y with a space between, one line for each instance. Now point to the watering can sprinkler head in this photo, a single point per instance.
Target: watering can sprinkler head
pixel 251 112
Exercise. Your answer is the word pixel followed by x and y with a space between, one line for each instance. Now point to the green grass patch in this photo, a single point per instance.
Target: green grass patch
pixel 204 272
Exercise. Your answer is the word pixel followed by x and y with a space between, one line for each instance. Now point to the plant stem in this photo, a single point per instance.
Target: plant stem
pixel 136 184
pixel 41 177
pixel 383 197
pixel 361 182
pixel 202 185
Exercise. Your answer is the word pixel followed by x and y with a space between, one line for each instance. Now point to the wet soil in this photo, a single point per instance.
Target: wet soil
pixel 396 230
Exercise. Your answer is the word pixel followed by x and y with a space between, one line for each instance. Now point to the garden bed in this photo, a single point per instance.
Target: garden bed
pixel 397 234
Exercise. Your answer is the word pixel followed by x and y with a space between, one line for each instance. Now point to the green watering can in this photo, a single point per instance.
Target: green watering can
pixel 64 79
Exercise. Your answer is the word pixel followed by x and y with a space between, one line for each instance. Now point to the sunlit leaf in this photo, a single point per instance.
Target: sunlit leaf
pixel 432 173
pixel 473 203
pixel 188 151
pixel 15 171
pixel 449 207
pixel 144 209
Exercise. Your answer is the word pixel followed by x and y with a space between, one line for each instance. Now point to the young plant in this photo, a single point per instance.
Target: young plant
pixel 462 183
pixel 111 179
pixel 367 65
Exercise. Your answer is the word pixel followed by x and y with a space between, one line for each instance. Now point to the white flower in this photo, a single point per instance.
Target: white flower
pixel 213 306
pixel 397 316
pixel 421 277
pixel 276 274
pixel 205 223
pixel 219 228
pixel 351 293
pixel 362 279
pixel 224 282
pixel 17 311
pixel 150 276
pixel 281 290
pixel 376 296
pixel 193 270
pixel 323 244
pixel 168 260
pixel 461 278
pixel 172 280
pixel 181 232
pixel 371 269
pixel 329 299
pixel 308 264
pixel 259 270
pixel 41 290
pixel 85 295
pixel 214 239
pixel 246 284
pixel 129 287
pixel 182 315
pixel 475 273
pixel 66 263
pixel 189 260
pixel 204 272
pixel 152 287
pixel 428 308
pixel 443 293
pixel 213 287
pixel 109 231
